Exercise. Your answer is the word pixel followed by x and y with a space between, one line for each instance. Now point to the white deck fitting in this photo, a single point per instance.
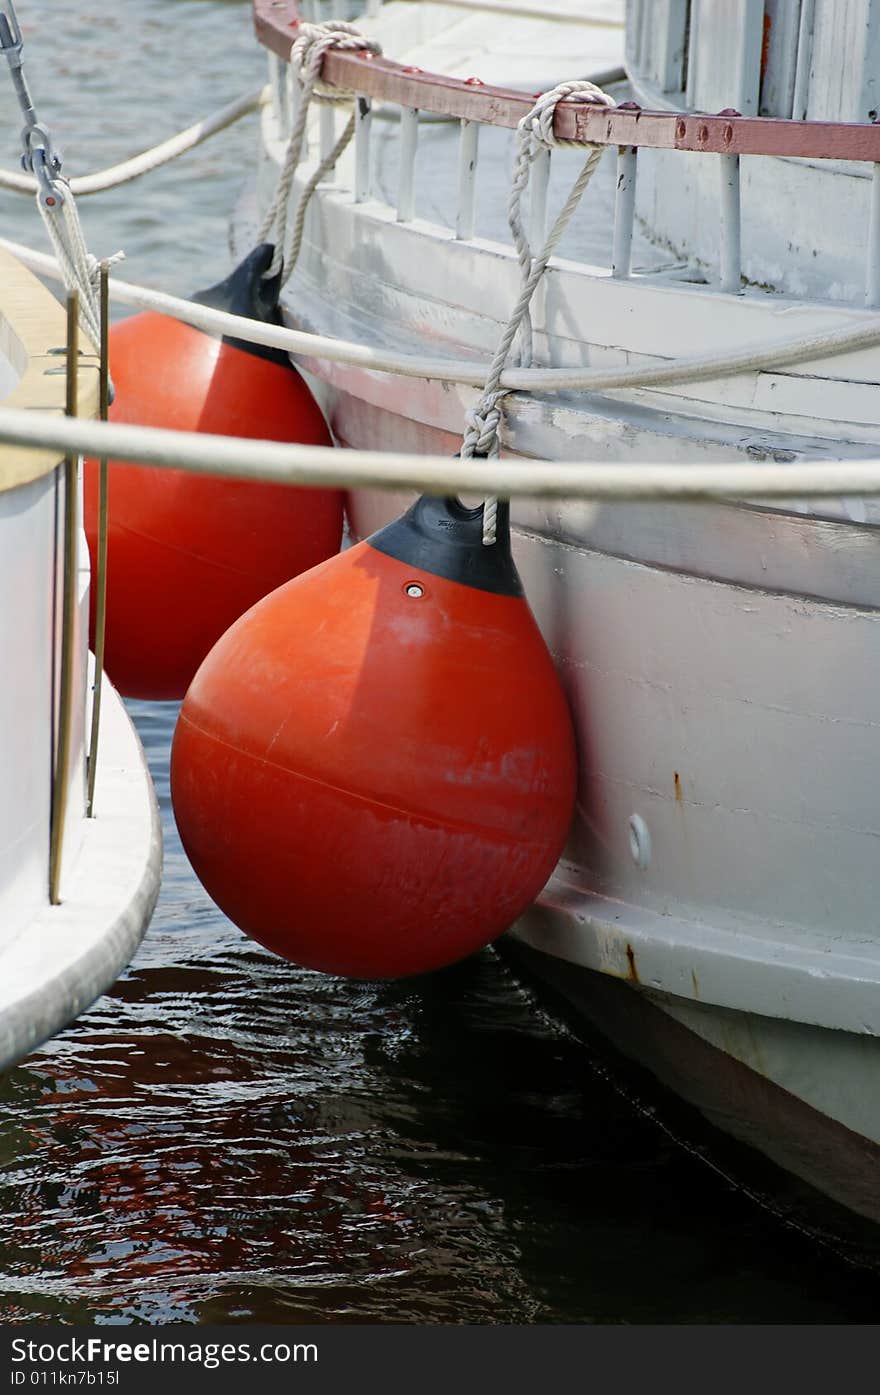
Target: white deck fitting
pixel 65 956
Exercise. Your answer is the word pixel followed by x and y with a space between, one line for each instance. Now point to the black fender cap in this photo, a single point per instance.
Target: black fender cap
pixel 443 538
pixel 247 292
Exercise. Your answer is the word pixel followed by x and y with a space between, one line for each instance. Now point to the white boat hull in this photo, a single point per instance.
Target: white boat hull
pixel 721 661
pixel 722 864
pixel 76 893
pixel 63 957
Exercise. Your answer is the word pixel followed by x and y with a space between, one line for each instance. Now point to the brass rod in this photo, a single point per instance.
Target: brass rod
pixel 100 578
pixel 68 614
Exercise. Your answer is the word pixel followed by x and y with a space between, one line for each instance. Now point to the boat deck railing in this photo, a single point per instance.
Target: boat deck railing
pixel 725 136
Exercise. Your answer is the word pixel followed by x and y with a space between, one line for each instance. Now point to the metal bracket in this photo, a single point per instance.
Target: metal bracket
pixel 39 155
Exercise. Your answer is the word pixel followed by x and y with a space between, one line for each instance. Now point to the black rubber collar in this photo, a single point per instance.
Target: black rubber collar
pixel 246 292
pixel 443 538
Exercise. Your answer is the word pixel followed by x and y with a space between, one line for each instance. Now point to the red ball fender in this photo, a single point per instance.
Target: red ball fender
pixel 373 772
pixel 188 554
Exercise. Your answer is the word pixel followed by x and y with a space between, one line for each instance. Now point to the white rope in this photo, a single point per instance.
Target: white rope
pixel 306 57
pixel 283 463
pixel 746 358
pixel 534 134
pixel 80 271
pixel 156 156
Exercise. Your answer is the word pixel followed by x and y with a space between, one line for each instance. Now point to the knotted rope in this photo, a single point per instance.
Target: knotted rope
pixel 534 135
pixel 306 57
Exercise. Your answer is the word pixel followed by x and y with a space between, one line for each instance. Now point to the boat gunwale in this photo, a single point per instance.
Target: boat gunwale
pixel 33 334
pixel 725 133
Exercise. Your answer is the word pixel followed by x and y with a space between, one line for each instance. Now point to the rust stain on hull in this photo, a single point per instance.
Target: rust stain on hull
pixel 633 974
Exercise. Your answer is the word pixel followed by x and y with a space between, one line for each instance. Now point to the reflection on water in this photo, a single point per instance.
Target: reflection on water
pixel 225 1138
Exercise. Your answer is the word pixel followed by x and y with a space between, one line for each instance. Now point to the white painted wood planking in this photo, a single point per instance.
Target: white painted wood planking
pixel 782 29
pixel 845 67
pixel 656 40
pixel 724 55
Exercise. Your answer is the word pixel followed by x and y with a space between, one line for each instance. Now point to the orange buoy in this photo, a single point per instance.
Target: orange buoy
pixel 188 554
pixel 373 772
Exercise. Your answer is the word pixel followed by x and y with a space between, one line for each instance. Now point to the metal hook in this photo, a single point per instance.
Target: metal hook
pixel 11 44
pixel 45 164
pixel 39 155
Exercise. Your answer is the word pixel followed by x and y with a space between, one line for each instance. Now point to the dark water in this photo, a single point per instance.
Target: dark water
pixel 225 1138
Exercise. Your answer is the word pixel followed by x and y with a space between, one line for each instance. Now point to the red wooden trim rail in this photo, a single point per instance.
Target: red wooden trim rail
pixel 276 23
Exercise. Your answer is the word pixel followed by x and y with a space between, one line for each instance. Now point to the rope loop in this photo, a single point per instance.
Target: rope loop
pixel 535 133
pixel 310 46
pixel 80 270
pixel 313 41
pixel 540 121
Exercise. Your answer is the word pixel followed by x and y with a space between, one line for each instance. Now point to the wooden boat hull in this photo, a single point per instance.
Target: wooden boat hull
pixel 729 945
pixel 735 955
pixel 715 910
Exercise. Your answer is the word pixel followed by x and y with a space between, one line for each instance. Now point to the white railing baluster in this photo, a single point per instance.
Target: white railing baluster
pixel 538 184
pixel 328 134
pixel 406 189
pixel 872 276
pixel 363 123
pixel 277 72
pixel 338 9
pixel 731 254
pixel 373 8
pixel 624 211
pixel 467 179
